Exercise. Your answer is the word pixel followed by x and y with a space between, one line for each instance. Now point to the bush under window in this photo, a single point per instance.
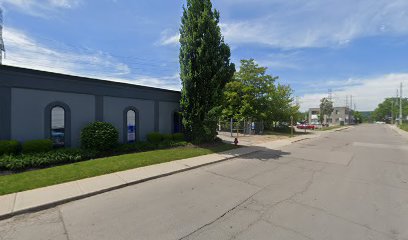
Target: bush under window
pixel 99 136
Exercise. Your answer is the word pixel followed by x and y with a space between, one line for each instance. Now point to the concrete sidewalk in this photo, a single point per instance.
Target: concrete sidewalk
pixel 399 131
pixel 47 197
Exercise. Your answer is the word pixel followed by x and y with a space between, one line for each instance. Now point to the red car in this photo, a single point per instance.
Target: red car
pixel 305 126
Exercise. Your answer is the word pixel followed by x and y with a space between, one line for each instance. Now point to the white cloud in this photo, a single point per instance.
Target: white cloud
pixel 40 8
pixel 26 52
pixel 367 92
pixel 317 23
pixel 168 38
pixel 23 51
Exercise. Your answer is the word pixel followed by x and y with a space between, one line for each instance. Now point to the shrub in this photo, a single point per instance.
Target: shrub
pixel 9 147
pixel 167 137
pixel 154 137
pixel 100 136
pixel 37 146
pixel 178 137
pixel 47 159
pixel 145 146
pixel 165 143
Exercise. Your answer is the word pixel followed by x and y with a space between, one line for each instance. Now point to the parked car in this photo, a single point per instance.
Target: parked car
pixel 306 126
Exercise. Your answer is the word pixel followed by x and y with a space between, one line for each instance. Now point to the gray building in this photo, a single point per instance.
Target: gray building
pixel 42 105
pixel 339 114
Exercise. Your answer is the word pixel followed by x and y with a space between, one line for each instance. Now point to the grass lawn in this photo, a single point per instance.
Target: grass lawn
pixel 404 127
pixel 71 172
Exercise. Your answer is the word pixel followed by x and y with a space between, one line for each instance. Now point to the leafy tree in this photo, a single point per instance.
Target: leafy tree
pixel 248 95
pixel 253 95
pixel 326 108
pixel 281 106
pixel 358 116
pixel 205 69
pixel 390 108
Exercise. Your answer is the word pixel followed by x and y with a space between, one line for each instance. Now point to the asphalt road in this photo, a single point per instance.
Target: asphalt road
pixel 351 184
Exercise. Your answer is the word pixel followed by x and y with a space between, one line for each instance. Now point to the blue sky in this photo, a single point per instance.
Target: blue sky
pixel 354 47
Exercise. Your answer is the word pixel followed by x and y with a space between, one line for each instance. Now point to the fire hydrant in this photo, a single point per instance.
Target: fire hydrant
pixel 236 141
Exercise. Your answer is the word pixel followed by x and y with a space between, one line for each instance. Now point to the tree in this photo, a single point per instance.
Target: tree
pixel 248 95
pixel 388 110
pixel 252 95
pixel 326 108
pixel 281 106
pixel 205 69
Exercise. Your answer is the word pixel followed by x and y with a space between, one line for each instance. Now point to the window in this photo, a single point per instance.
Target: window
pixel 131 126
pixel 58 126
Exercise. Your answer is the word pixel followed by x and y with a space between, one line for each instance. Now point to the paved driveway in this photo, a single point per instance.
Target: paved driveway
pixel 351 184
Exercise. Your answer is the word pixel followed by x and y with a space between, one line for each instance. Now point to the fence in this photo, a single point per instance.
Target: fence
pixel 241 127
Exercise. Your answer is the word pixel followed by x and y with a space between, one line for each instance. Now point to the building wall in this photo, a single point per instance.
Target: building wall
pixel 25 95
pixel 28 113
pixel 167 110
pixel 113 112
pixel 338 113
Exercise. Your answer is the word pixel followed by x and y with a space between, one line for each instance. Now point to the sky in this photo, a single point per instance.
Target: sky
pixel 356 48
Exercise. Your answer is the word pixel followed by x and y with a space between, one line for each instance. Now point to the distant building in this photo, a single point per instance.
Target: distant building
pixel 43 105
pixel 339 115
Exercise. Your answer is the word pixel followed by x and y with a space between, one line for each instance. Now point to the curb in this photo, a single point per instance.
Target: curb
pixel 401 132
pixel 251 150
pixel 87 195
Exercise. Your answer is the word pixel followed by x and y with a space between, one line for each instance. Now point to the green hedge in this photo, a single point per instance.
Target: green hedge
pixel 178 137
pixel 155 137
pixel 38 160
pixel 99 136
pixel 9 147
pixel 37 146
pixel 39 153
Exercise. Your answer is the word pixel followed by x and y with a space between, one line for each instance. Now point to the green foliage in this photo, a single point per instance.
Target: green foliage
pixel 389 108
pixel 167 137
pixel 37 146
pixel 253 95
pixel 45 177
pixel 178 137
pixel 9 147
pixel 154 137
pixel 358 116
pixel 205 69
pixel 135 147
pixel 99 136
pixel 326 108
pixel 404 126
pixel 45 159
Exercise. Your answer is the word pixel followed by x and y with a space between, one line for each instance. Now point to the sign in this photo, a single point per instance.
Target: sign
pixel 131 133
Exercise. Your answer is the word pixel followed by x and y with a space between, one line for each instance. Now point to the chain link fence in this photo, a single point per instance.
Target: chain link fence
pixel 234 127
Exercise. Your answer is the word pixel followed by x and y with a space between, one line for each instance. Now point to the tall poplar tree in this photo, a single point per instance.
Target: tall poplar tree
pixel 205 69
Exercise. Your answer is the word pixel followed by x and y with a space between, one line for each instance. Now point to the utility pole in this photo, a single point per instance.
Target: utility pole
pixel 2 48
pixel 330 94
pixel 392 112
pixel 351 108
pixel 400 113
pixel 347 120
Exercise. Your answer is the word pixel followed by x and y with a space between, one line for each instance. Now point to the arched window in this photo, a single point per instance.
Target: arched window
pixel 58 126
pixel 131 126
